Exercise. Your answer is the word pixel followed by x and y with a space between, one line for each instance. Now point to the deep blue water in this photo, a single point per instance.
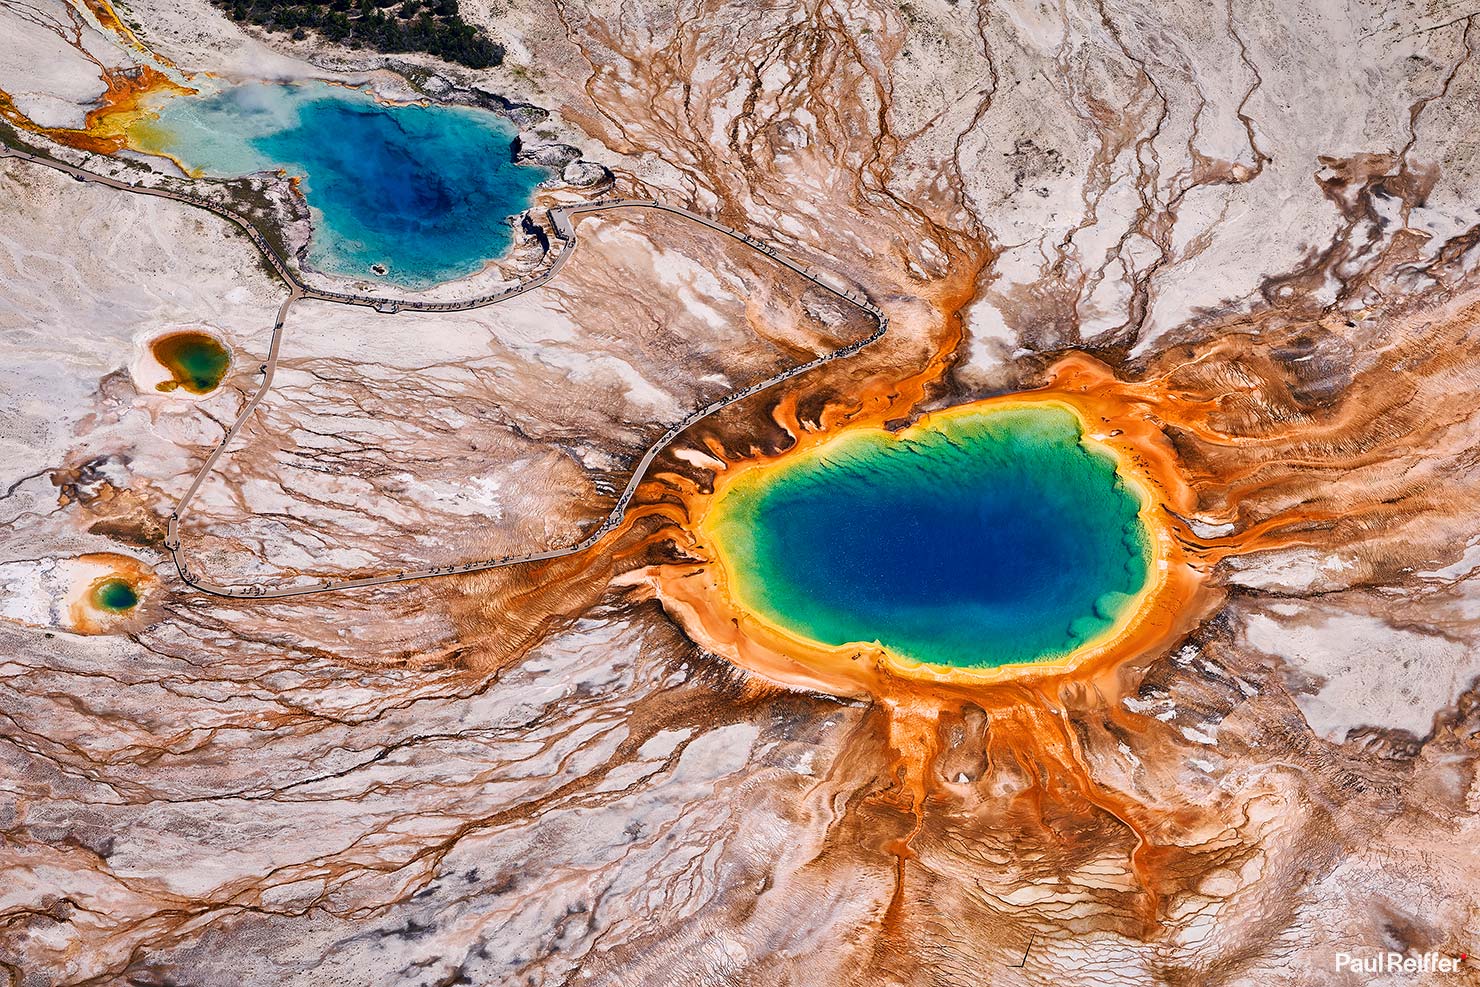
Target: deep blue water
pixel 424 191
pixel 981 540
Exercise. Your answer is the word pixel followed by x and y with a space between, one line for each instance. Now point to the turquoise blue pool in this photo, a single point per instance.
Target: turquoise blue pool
pixel 423 192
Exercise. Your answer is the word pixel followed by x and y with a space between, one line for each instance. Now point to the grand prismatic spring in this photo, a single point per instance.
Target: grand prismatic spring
pixel 976 539
pixel 1012 539
pixel 415 194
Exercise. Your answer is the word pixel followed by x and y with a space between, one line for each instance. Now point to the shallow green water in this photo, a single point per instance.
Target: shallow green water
pixel 115 596
pixel 982 539
pixel 195 360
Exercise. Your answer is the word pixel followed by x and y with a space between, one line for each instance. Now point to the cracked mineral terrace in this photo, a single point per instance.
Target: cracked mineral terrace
pixel 1239 242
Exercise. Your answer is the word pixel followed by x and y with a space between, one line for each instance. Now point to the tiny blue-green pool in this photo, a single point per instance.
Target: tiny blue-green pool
pixel 973 540
pixel 115 596
pixel 421 193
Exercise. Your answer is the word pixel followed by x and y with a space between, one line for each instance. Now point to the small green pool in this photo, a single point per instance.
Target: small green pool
pixel 196 361
pixel 115 596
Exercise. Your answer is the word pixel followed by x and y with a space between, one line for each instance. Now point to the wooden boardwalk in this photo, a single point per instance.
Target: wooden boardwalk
pixel 560 218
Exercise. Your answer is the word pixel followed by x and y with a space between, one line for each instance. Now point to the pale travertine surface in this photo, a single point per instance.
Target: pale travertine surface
pixel 1265 212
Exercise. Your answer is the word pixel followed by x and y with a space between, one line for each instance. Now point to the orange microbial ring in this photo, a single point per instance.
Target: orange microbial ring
pixel 711 597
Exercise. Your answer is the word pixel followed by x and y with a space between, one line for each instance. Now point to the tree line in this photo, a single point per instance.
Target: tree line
pixel 434 27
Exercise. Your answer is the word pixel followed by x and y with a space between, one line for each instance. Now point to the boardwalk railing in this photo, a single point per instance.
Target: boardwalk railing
pixel 560 219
